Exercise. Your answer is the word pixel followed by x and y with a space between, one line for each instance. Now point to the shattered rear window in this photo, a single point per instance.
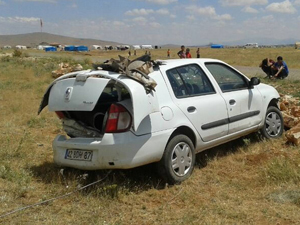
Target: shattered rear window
pixel 110 93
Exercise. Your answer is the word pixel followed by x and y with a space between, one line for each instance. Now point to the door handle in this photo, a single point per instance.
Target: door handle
pixel 191 109
pixel 232 102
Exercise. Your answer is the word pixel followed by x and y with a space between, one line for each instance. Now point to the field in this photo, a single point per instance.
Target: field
pixel 247 181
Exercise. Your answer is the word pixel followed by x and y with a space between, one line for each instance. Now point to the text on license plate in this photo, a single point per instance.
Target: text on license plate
pixel 82 155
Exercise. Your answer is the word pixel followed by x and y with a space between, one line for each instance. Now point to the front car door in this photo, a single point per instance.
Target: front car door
pixel 243 104
pixel 199 101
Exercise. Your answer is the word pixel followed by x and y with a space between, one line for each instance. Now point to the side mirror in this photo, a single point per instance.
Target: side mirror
pixel 254 81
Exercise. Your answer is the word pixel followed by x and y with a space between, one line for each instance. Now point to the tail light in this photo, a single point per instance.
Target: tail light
pixel 60 114
pixel 118 120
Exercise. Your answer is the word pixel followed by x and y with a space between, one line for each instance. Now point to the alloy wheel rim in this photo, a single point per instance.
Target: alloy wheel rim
pixel 273 124
pixel 181 159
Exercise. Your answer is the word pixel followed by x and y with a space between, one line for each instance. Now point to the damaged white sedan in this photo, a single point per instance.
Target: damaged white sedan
pixel 115 122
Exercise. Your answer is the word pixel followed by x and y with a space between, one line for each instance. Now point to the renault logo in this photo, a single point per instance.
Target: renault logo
pixel 68 93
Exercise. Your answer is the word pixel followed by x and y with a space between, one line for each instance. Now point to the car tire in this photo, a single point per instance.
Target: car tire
pixel 178 160
pixel 273 125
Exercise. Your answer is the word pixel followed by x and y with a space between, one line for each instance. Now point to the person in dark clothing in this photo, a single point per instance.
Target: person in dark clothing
pixel 267 65
pixel 282 68
pixel 181 53
pixel 198 53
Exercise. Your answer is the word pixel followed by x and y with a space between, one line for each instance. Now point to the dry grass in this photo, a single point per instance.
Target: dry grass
pixel 248 181
pixel 233 56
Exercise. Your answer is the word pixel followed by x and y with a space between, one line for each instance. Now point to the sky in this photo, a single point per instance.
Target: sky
pixel 156 22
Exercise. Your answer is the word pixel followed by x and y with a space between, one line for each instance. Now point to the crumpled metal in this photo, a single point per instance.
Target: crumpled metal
pixel 137 69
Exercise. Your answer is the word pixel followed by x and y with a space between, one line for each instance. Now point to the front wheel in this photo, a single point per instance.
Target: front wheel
pixel 178 160
pixel 273 127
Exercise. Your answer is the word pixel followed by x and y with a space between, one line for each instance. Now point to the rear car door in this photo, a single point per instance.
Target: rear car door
pixel 243 104
pixel 198 100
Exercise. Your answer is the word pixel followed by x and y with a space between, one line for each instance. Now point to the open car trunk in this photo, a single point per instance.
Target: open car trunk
pixel 84 106
pixel 82 101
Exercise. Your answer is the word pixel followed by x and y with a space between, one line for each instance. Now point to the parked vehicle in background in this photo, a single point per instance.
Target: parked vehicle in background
pixel 113 122
pixel 251 45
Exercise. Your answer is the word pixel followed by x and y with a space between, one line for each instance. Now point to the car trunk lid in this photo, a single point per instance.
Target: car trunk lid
pixel 73 95
pixel 81 91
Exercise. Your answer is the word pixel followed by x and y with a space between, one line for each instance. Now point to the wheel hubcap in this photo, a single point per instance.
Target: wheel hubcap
pixel 181 159
pixel 273 124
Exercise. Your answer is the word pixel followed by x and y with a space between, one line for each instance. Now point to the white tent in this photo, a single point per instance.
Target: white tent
pixel 98 47
pixel 136 47
pixel 147 47
pixel 21 47
pixel 42 47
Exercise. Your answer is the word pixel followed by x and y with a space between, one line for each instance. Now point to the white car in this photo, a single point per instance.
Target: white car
pixel 113 122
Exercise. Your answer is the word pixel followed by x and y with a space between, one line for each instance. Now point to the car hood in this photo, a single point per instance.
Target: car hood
pixel 80 91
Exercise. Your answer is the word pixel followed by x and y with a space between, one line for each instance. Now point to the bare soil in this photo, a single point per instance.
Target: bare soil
pixel 294 74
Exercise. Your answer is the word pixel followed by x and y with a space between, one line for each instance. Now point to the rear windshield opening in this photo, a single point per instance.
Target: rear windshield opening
pixel 96 119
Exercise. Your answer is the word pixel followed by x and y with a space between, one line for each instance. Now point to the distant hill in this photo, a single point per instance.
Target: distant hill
pixel 170 46
pixel 34 39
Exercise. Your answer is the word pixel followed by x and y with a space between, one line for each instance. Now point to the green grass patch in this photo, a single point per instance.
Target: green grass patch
pixel 6 85
pixel 20 180
pixel 282 170
pixel 287 196
pixel 37 122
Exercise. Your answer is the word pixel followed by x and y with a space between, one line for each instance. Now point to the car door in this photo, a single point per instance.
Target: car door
pixel 243 103
pixel 198 100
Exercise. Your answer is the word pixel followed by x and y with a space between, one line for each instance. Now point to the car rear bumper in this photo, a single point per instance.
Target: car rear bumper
pixel 113 151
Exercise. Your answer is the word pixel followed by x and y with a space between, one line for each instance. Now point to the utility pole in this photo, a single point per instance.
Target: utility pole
pixel 41 23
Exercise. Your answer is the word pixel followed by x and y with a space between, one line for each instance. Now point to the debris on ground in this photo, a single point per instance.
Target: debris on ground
pixel 293 135
pixel 64 68
pixel 6 55
pixel 290 109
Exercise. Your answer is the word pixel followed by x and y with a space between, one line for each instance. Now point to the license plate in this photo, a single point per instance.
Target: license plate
pixel 81 155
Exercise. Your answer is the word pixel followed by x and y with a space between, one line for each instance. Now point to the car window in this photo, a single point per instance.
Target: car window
pixel 227 78
pixel 189 80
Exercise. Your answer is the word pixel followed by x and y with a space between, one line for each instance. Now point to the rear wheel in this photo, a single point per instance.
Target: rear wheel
pixel 273 127
pixel 178 160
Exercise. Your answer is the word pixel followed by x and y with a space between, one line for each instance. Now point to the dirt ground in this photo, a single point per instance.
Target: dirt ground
pixel 294 74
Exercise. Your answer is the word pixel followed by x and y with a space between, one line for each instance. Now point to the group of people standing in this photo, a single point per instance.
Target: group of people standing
pixel 184 53
pixel 275 70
